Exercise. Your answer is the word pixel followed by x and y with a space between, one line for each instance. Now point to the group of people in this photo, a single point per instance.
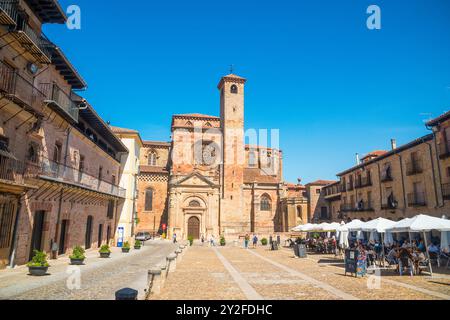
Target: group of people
pixel 247 241
pixel 404 254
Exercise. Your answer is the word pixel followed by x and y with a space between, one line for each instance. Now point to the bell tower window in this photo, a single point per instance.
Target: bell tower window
pixel 234 89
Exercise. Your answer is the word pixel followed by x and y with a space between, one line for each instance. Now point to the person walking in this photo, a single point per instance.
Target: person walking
pixel 246 241
pixel 203 239
pixel 255 241
pixel 211 241
pixel 174 238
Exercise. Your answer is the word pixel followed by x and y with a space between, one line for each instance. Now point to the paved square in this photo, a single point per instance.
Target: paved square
pixel 235 273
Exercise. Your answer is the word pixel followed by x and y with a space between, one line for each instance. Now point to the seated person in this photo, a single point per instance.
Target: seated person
pixel 432 248
pixel 392 256
pixel 421 246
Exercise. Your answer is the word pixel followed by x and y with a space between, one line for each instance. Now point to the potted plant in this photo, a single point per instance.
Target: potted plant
pixel 191 240
pixel 137 244
pixel 126 247
pixel 222 241
pixel 264 241
pixel 38 266
pixel 77 257
pixel 104 251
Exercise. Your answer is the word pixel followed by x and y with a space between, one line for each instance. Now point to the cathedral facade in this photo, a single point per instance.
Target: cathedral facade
pixel 207 181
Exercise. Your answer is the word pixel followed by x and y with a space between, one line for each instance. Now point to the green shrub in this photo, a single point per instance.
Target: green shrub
pixel 104 249
pixel 39 259
pixel 264 241
pixel 222 241
pixel 137 243
pixel 191 240
pixel 126 245
pixel 78 253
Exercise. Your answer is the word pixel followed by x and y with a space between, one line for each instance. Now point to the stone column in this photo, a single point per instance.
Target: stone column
pixel 163 273
pixel 154 275
pixel 172 262
pixel 179 252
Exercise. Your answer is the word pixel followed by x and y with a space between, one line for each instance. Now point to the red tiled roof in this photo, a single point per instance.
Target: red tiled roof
pixel 321 182
pixel 375 153
pixel 122 130
pixel 439 119
pixel 196 115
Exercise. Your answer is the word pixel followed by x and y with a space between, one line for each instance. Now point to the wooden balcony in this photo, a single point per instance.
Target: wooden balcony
pixel 60 101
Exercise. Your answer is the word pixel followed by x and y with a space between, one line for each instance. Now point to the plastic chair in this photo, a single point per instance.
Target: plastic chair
pixel 405 262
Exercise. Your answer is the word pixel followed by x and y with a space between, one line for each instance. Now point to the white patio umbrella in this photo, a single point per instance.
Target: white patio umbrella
pixel 301 227
pixel 422 223
pixel 379 225
pixel 353 225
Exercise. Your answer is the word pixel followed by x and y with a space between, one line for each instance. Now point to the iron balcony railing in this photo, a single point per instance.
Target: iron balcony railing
pixel 12 170
pixel 35 43
pixel 57 96
pixel 346 207
pixel 414 167
pixel 363 182
pixel 8 12
pixel 19 89
pixel 58 171
pixel 446 191
pixel 417 199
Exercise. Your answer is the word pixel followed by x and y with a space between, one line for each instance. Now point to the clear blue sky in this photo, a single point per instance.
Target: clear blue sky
pixel 314 70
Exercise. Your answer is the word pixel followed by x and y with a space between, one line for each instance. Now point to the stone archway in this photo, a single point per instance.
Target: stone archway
pixel 194 227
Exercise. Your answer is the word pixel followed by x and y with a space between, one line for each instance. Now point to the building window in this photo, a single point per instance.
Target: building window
pixel 318 191
pixel 149 200
pixel 152 157
pixel 324 213
pixel 110 212
pixel 33 152
pixel 299 211
pixel 57 152
pixel 265 203
pixel 234 89
pixel 252 159
pixel 194 204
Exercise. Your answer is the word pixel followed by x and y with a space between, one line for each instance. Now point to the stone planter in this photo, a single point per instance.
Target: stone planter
pixel 105 254
pixel 76 262
pixel 38 271
pixel 137 247
pixel 125 250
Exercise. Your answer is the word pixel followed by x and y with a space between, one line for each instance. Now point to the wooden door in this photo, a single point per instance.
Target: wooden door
pixel 194 227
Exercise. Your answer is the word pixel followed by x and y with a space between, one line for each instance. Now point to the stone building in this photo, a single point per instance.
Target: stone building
pixel 206 181
pixel 130 163
pixel 60 163
pixel 407 180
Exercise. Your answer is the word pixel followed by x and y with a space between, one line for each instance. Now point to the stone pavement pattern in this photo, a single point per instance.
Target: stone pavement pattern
pixel 100 278
pixel 209 273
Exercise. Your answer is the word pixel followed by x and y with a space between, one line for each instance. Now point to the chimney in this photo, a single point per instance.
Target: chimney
pixel 357 159
pixel 393 144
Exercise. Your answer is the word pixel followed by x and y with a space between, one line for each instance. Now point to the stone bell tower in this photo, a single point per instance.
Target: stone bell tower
pixel 232 218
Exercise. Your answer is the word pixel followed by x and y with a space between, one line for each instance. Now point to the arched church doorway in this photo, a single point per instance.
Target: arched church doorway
pixel 194 227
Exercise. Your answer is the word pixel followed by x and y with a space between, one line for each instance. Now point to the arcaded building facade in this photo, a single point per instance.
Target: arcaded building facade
pixel 207 181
